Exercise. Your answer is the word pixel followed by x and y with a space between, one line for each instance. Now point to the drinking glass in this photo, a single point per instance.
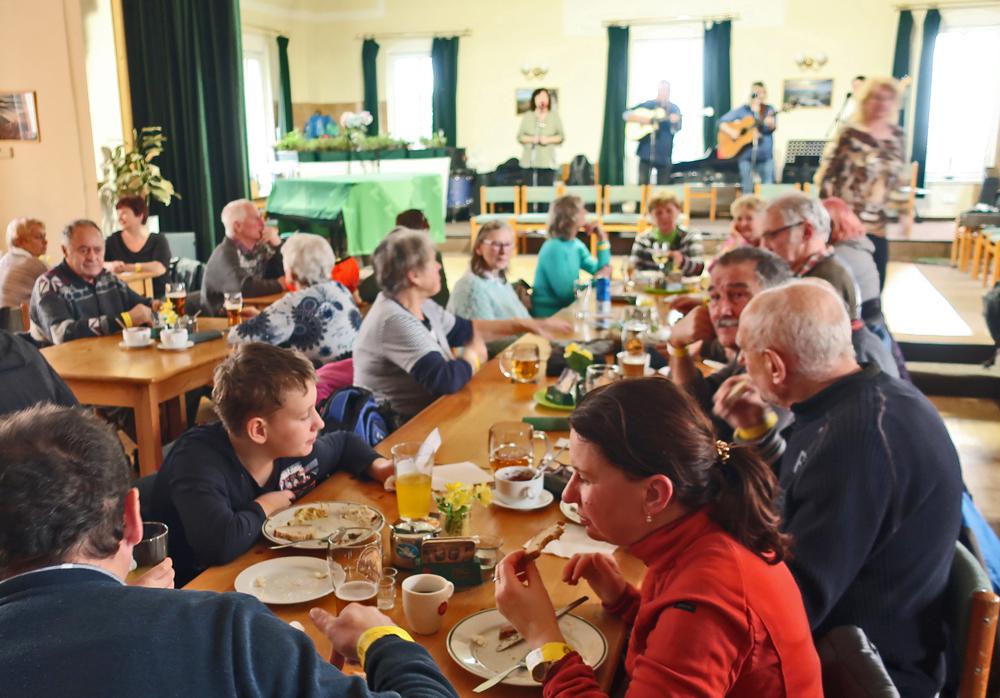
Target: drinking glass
pixel 356 567
pixel 512 444
pixel 581 290
pixel 520 362
pixel 387 593
pixel 233 303
pixel 413 481
pixel 177 295
pixel 600 374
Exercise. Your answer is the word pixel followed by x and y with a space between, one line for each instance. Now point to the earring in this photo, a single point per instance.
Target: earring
pixel 649 519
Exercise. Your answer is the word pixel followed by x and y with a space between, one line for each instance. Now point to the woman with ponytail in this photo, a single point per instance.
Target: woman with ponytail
pixel 718 613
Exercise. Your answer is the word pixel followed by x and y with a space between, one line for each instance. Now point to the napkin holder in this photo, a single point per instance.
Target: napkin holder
pixel 453 558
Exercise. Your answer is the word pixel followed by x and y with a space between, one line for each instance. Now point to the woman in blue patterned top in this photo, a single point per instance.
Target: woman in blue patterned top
pixel 483 292
pixel 320 319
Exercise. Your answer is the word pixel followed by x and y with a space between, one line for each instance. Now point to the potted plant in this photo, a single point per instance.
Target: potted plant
pixel 332 148
pixel 291 146
pixel 434 147
pixel 131 172
pixel 455 505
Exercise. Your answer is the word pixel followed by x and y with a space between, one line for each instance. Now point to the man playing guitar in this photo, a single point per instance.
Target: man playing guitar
pixel 663 119
pixel 758 156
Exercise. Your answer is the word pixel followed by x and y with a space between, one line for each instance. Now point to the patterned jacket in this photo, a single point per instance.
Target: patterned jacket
pixel 687 242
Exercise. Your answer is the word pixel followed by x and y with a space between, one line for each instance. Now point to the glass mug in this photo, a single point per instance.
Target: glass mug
pixel 177 295
pixel 413 481
pixel 600 374
pixel 356 567
pixel 520 363
pixel 512 445
pixel 233 304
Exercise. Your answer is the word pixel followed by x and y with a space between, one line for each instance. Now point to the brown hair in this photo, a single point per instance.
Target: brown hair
pixel 562 217
pixel 648 426
pixel 253 379
pixel 477 263
pixel 664 198
pixel 137 204
pixel 414 219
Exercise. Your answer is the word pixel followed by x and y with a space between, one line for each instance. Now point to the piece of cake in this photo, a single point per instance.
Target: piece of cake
pixel 536 544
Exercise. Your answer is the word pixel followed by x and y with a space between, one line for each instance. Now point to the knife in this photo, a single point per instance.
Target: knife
pixel 509 642
pixel 490 683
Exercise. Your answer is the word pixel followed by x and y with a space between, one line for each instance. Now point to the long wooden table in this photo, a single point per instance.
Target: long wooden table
pixel 464 419
pixel 99 372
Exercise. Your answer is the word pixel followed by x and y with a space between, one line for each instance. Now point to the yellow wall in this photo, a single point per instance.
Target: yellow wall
pixel 41 49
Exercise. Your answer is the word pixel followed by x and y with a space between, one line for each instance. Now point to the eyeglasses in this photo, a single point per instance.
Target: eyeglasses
pixel 497 245
pixel 776 231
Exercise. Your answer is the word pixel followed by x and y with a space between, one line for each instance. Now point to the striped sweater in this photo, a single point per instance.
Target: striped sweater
pixel 687 242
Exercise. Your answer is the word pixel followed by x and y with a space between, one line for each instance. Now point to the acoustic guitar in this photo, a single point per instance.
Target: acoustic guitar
pixel 635 131
pixel 729 147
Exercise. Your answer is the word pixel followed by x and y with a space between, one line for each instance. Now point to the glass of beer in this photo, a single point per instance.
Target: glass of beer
pixel 520 362
pixel 413 481
pixel 356 567
pixel 600 374
pixel 233 303
pixel 177 295
pixel 633 365
pixel 512 444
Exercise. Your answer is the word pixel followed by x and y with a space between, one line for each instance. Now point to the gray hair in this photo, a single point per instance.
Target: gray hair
pixel 19 227
pixel 233 212
pixel 796 207
pixel 804 319
pixel 67 233
pixel 562 217
pixel 401 251
pixel 771 269
pixel 308 258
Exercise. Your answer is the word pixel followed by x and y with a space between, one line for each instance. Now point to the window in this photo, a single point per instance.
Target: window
pixel 672 53
pixel 258 103
pixel 965 104
pixel 411 86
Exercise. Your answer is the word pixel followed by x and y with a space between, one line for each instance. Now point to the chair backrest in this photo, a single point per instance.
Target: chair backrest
pixel 498 195
pixel 623 193
pixel 972 617
pixel 773 191
pixel 590 194
pixel 852 666
pixel 190 272
pixel 538 195
pixel 182 245
pixel 991 189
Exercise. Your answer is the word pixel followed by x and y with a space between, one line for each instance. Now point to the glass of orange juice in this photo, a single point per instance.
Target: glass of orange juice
pixel 413 481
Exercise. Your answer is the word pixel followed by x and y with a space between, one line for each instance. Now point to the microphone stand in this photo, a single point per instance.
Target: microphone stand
pixel 836 119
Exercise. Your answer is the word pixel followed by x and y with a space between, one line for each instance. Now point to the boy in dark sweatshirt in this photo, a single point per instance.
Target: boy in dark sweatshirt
pixel 221 481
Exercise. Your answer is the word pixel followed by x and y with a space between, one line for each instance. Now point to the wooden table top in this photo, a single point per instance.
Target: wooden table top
pixel 100 358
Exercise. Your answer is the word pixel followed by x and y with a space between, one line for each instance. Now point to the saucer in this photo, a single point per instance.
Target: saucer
pixel 123 345
pixel 540 502
pixel 164 347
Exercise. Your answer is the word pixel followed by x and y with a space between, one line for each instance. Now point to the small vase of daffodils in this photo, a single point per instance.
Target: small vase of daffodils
pixel 455 505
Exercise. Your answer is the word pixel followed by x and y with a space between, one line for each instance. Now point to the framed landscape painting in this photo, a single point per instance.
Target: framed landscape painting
pixel 18 116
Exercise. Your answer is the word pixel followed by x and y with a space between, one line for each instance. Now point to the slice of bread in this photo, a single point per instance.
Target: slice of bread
pixel 536 544
pixel 296 533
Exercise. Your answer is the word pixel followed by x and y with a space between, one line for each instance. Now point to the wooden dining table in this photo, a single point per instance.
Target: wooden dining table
pixel 101 372
pixel 464 420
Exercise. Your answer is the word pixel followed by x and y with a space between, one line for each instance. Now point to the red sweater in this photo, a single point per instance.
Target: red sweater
pixel 712 619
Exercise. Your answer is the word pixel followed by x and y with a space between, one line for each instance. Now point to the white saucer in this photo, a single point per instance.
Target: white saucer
pixel 539 502
pixel 570 511
pixel 123 345
pixel 166 348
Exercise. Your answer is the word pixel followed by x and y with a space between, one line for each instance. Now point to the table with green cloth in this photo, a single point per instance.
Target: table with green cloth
pixel 369 204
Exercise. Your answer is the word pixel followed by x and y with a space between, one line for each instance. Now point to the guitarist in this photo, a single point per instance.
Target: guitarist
pixel 656 149
pixel 757 157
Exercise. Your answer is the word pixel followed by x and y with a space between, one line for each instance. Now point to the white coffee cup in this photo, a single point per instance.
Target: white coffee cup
pixel 425 601
pixel 174 339
pixel 512 490
pixel 137 336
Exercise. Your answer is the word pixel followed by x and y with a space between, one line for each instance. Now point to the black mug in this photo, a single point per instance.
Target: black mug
pixel 152 549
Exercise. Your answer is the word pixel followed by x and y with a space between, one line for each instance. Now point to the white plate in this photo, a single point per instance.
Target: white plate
pixel 539 502
pixel 123 345
pixel 486 662
pixel 664 371
pixel 286 580
pixel 339 515
pixel 571 512
pixel 164 347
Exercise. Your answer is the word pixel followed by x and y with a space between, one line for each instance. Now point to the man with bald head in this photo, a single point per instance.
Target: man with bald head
pixel 871 480
pixel 247 261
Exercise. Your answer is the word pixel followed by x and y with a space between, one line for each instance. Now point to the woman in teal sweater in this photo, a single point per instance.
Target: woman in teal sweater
pixel 563 256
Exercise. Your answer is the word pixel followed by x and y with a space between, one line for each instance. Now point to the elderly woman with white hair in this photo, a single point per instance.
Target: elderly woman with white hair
pixel 409 343
pixel 20 266
pixel 320 319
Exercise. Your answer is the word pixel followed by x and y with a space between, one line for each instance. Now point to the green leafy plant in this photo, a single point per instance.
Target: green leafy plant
pixel 131 172
pixel 383 143
pixel 293 140
pixel 437 140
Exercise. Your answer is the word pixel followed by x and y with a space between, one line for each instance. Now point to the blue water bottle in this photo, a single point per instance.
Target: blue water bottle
pixel 603 285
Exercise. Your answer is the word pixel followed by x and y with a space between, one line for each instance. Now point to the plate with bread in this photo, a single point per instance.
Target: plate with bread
pixel 308 525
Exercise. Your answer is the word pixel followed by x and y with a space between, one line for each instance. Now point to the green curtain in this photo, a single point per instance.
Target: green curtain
pixel 716 76
pixel 185 63
pixel 369 52
pixel 286 118
pixel 901 58
pixel 444 60
pixel 612 159
pixel 921 119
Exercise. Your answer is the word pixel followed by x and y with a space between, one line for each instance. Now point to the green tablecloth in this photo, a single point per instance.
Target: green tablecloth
pixel 369 202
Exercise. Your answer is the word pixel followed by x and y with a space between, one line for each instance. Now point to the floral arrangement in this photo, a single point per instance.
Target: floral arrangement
pixel 437 140
pixel 356 120
pixel 578 358
pixel 455 504
pixel 168 315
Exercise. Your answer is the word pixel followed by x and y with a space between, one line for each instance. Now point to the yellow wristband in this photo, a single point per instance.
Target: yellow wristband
pixel 138 267
pixel 676 352
pixel 127 319
pixel 754 433
pixel 369 637
pixel 539 661
pixel 604 245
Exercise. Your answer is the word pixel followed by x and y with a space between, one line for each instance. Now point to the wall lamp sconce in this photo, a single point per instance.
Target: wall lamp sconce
pixel 810 62
pixel 536 72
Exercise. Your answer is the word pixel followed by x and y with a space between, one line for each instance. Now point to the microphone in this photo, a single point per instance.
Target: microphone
pixel 849 95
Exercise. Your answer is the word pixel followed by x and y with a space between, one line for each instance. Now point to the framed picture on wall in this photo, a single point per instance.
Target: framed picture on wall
pixel 805 92
pixel 523 97
pixel 18 116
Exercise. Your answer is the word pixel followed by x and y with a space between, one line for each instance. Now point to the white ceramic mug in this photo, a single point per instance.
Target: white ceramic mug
pixel 175 339
pixel 137 336
pixel 425 601
pixel 512 490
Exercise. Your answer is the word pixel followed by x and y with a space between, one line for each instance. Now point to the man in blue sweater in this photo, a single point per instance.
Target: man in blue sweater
pixel 71 627
pixel 871 482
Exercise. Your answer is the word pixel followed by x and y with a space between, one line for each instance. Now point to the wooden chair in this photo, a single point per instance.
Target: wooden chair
pixel 618 194
pixel 489 197
pixel 972 616
pixel 773 191
pixel 700 191
pixel 532 222
pixel 25 317
pixel 590 194
pixel 982 241
pixel 989 240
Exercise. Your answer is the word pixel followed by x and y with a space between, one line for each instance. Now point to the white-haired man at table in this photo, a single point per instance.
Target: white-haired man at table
pixel 22 264
pixel 68 523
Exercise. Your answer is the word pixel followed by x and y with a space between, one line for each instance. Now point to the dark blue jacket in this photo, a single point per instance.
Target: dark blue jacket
pixel 765 144
pixel 664 135
pixel 81 632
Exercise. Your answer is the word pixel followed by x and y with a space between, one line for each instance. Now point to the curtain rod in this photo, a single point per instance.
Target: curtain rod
pixel 679 19
pixel 415 35
pixel 964 4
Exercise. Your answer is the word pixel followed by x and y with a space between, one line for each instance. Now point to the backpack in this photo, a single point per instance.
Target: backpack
pixel 355 410
pixel 580 171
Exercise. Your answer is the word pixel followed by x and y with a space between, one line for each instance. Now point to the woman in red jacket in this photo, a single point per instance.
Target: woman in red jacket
pixel 718 613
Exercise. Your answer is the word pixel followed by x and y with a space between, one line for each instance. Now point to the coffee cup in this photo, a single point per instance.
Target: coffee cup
pixel 174 339
pixel 137 336
pixel 518 483
pixel 425 601
pixel 152 549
